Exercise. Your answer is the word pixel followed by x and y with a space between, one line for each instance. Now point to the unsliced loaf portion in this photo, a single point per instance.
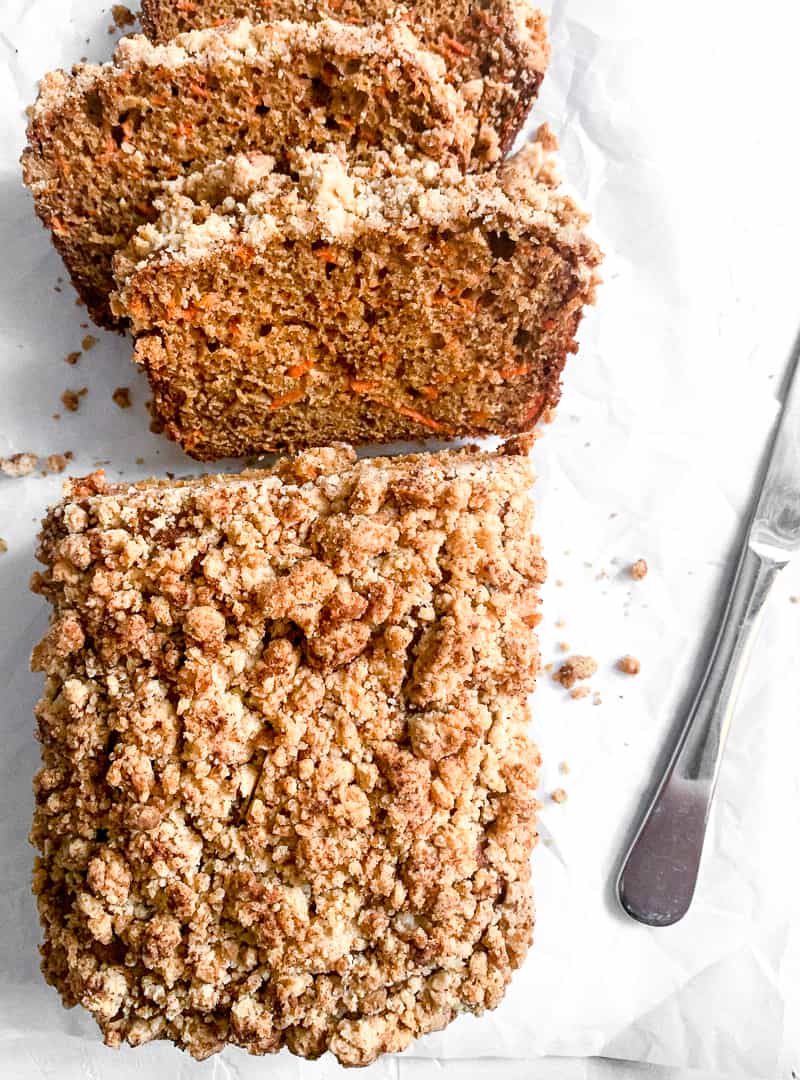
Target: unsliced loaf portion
pixel 287 794
pixel 103 139
pixel 496 50
pixel 372 303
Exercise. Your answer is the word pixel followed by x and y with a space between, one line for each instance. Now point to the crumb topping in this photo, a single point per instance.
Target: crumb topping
pixel 574 669
pixel 287 789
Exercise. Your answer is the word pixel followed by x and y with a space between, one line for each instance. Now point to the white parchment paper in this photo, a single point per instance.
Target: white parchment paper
pixel 678 128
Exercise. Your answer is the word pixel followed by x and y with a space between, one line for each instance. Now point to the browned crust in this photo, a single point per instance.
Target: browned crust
pixel 287 788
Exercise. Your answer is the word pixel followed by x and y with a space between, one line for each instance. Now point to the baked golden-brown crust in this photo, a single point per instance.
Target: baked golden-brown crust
pixel 387 301
pixel 287 789
pixel 103 139
pixel 496 51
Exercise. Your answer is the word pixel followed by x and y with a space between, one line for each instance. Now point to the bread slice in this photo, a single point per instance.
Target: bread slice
pixel 378 303
pixel 496 50
pixel 104 138
pixel 287 794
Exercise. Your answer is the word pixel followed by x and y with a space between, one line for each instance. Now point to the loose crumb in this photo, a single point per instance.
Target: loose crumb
pixel 56 463
pixel 122 16
pixel 563 646
pixel 71 399
pixel 597 700
pixel 580 692
pixel 3 546
pixel 140 461
pixel 19 464
pixel 548 668
pixel 629 665
pixel 559 583
pixel 73 357
pixel 89 342
pixel 563 767
pixel 638 570
pixel 559 795
pixel 577 667
pixel 122 397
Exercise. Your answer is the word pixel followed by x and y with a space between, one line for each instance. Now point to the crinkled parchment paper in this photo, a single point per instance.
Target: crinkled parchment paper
pixel 678 128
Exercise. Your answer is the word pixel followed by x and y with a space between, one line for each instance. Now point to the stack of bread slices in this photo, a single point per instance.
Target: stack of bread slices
pixel 312 225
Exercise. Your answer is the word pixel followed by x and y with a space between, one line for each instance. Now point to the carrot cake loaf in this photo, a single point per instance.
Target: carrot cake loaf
pixel 103 139
pixel 496 50
pixel 374 303
pixel 287 789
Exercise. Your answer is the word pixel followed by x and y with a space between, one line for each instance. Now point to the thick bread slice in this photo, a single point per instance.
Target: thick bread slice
pixel 371 303
pixel 103 139
pixel 496 50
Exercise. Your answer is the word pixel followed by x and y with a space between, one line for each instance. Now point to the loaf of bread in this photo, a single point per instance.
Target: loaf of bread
pixel 379 302
pixel 103 139
pixel 495 50
pixel 287 794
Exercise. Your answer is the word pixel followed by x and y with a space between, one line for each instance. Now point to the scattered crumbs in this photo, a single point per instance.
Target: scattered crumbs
pixel 56 288
pixel 140 461
pixel 559 583
pixel 88 342
pixel 629 665
pixel 638 570
pixel 56 463
pixel 563 646
pixel 29 111
pixel 73 357
pixel 122 397
pixel 597 700
pixel 580 692
pixel 560 622
pixel 549 415
pixel 577 667
pixel 122 16
pixel 548 668
pixel 71 399
pixel 19 464
pixel 56 415
pixel 794 599
pixel 563 767
pixel 3 546
pixel 559 795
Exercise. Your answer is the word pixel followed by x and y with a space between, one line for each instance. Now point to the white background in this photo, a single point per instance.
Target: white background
pixel 679 128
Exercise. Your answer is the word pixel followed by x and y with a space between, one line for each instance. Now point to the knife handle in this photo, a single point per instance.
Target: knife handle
pixel 658 876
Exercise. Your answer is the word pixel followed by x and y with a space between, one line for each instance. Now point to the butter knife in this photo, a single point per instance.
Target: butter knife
pixel 659 873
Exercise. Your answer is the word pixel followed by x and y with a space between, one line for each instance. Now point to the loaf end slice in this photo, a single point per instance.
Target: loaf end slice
pixel 287 792
pixel 104 138
pixel 391 302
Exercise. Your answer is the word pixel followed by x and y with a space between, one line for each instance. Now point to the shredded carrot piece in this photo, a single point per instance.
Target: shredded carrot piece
pixel 287 399
pixel 186 5
pixel 234 326
pixel 326 255
pixel 296 370
pixel 109 144
pixel 363 386
pixel 455 46
pixel 183 129
pixel 430 392
pixel 58 226
pixel 159 99
pixel 198 90
pixel 412 414
pixel 514 372
pixel 245 253
pixel 549 324
pixel 534 411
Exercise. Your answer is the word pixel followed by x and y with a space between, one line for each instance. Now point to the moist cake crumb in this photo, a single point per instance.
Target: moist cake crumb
pixel 577 667
pixel 56 463
pixel 123 16
pixel 88 342
pixel 559 795
pixel 73 357
pixel 629 665
pixel 638 570
pixel 580 692
pixel 122 397
pixel 287 794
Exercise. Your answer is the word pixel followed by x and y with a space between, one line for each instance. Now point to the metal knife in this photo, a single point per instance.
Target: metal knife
pixel 658 876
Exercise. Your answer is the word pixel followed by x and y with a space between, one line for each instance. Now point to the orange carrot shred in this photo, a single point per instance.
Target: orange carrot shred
pixel 514 372
pixel 287 399
pixel 455 46
pixel 363 386
pixel 296 370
